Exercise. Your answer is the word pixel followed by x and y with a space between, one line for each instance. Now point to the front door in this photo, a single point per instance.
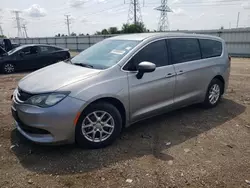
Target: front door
pixel 29 58
pixel 153 93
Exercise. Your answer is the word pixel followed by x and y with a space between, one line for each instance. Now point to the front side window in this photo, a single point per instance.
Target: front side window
pixel 210 48
pixel 105 53
pixel 30 50
pixel 155 52
pixel 184 49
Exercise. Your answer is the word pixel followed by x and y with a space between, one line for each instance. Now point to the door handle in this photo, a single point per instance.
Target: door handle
pixel 180 72
pixel 170 75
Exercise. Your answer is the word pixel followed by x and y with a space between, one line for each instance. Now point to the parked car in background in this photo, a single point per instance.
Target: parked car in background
pixel 30 57
pixel 117 82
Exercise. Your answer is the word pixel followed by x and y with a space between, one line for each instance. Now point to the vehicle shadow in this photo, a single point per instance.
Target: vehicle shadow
pixel 148 137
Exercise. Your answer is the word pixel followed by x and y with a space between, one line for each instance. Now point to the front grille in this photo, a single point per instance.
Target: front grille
pixel 31 130
pixel 23 96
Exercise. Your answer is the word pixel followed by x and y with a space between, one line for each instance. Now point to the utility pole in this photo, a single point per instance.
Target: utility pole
pixel 134 13
pixel 238 19
pixel 68 23
pixel 1 30
pixel 163 24
pixel 25 30
pixel 18 23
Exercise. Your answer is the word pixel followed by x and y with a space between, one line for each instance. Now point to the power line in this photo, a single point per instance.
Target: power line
pixel 198 2
pixel 134 13
pixel 103 10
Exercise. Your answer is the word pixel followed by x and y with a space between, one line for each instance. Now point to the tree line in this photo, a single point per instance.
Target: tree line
pixel 126 28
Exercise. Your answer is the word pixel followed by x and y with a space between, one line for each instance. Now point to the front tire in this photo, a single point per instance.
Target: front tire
pixel 213 94
pixel 98 126
pixel 8 68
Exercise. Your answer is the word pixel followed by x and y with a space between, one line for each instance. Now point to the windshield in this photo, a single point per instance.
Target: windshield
pixel 15 50
pixel 105 53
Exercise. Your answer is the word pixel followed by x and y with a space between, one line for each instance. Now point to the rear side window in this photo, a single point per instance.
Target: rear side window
pixel 155 52
pixel 184 49
pixel 47 49
pixel 210 48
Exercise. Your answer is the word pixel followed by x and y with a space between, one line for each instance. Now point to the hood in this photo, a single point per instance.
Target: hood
pixel 53 77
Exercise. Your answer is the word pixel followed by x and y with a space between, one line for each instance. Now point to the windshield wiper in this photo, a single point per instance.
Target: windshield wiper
pixel 83 65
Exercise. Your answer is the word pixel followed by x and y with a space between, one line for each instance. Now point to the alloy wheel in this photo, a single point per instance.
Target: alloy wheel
pixel 98 126
pixel 214 93
pixel 9 68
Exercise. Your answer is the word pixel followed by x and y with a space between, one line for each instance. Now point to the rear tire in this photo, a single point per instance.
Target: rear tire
pixel 98 126
pixel 8 68
pixel 214 93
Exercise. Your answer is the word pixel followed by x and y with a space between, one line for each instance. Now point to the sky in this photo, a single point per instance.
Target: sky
pixel 47 17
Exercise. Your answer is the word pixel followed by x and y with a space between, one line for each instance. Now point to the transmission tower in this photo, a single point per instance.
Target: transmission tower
pixel 18 23
pixel 25 30
pixel 134 13
pixel 163 24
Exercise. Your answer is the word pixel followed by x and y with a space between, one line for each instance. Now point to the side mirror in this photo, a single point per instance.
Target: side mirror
pixel 21 54
pixel 145 67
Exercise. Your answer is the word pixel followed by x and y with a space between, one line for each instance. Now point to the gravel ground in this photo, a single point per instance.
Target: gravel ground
pixel 190 147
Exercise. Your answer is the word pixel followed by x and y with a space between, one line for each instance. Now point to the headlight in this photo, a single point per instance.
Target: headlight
pixel 46 100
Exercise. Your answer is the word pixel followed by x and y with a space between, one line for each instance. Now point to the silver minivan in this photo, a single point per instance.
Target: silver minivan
pixel 90 98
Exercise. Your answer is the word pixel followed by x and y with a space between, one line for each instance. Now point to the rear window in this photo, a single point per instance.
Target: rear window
pixel 184 49
pixel 210 48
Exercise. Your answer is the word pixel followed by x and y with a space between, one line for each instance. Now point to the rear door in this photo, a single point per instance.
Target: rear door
pixel 190 70
pixel 51 55
pixel 153 93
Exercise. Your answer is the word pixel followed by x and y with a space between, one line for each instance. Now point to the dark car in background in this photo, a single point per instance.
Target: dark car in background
pixel 30 57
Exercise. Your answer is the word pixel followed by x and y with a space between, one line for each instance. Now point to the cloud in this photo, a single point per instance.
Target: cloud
pixel 246 5
pixel 176 1
pixel 220 15
pixel 77 3
pixel 179 12
pixel 101 1
pixel 35 11
pixel 80 3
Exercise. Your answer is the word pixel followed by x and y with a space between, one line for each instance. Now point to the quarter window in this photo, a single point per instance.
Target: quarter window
pixel 184 49
pixel 155 52
pixel 210 48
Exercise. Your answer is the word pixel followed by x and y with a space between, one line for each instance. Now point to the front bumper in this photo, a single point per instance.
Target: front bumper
pixel 47 125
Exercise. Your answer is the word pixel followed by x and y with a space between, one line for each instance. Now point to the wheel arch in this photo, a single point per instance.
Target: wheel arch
pixel 114 101
pixel 219 77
